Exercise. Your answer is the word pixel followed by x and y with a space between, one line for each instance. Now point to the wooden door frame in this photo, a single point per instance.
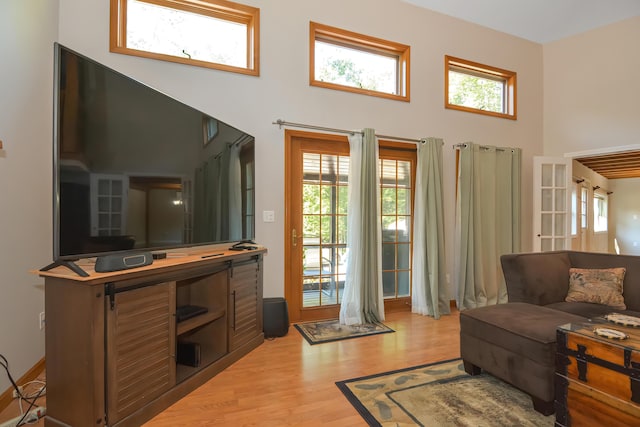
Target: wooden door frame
pixel 292 270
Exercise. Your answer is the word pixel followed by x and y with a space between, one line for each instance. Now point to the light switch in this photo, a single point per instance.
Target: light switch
pixel 268 216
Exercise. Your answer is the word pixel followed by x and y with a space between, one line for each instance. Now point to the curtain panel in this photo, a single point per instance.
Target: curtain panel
pixel 429 294
pixel 487 222
pixel 362 301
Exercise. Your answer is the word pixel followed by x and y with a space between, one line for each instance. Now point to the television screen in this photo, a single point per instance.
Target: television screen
pixel 135 169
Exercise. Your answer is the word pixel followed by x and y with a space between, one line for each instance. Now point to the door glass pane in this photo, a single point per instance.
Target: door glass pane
pixel 547 224
pixel 547 175
pixel 547 200
pixel 560 174
pixel 560 244
pixel 560 224
pixel 324 204
pixel 546 245
pixel 561 200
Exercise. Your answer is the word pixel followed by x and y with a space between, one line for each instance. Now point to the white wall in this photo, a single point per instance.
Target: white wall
pixel 27 31
pixel 283 91
pixel 249 103
pixel 624 203
pixel 591 90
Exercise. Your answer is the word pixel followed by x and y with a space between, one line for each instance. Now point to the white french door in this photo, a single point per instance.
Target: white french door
pixel 551 203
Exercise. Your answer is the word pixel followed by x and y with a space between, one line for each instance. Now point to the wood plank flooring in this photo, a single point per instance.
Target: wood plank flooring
pixel 287 382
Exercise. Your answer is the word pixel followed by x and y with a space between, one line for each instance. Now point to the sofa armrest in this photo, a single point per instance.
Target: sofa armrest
pixel 537 278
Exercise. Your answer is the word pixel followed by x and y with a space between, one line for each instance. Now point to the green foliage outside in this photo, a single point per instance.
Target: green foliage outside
pixel 475 92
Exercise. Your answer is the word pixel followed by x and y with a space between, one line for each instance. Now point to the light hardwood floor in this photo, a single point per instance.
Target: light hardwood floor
pixel 287 382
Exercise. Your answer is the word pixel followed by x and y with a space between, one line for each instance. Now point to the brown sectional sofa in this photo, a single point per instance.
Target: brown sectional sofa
pixel 516 341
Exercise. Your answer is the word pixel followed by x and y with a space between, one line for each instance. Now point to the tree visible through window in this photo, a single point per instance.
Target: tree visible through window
pixel 358 63
pixel 209 33
pixel 479 88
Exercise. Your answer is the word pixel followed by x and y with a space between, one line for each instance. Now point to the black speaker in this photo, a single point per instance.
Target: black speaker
pixel 275 317
pixel 118 262
pixel 188 354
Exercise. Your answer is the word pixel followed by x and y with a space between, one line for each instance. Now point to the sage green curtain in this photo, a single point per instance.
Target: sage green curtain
pixel 487 222
pixel 429 294
pixel 362 301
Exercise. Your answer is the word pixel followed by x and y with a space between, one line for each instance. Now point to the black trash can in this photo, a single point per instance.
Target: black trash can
pixel 275 317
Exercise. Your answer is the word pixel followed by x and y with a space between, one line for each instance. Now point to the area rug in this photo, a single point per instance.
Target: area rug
pixel 332 330
pixel 440 394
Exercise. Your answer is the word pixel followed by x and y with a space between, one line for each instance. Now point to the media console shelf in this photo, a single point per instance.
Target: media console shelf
pixel 116 354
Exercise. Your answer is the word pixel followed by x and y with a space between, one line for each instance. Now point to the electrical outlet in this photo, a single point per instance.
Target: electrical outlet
pixel 42 321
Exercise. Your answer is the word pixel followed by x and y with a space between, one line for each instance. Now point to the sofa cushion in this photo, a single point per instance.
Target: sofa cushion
pixel 601 260
pixel 525 329
pixel 537 278
pixel 597 286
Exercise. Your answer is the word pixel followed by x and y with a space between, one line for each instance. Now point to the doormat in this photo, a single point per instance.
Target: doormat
pixel 440 394
pixel 332 330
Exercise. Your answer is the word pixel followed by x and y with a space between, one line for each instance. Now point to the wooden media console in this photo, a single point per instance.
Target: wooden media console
pixel 116 355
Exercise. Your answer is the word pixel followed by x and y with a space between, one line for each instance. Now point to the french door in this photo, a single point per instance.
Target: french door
pixel 551 204
pixel 316 189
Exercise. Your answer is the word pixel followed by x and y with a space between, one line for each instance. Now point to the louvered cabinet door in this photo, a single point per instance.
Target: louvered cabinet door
pixel 245 303
pixel 140 348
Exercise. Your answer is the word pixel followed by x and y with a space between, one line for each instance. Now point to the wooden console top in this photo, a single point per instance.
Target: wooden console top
pixel 176 259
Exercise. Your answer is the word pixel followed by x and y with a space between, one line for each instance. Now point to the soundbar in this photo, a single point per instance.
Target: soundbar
pixel 117 262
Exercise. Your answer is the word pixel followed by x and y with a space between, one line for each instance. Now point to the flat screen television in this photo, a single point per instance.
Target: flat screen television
pixel 137 170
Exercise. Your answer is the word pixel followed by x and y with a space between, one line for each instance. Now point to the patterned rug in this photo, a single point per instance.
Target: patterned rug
pixel 440 394
pixel 332 330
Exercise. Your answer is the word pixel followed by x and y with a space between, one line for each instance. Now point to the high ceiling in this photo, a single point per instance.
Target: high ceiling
pixel 540 21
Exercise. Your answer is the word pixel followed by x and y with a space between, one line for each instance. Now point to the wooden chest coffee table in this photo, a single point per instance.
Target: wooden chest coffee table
pixel 597 378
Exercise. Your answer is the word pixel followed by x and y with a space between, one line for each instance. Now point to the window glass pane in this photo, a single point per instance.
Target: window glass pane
pixel 327 203
pixel 404 201
pixel 574 211
pixel 403 283
pixel 389 284
pixel 388 201
pixel 343 199
pixel 404 229
pixel 404 174
pixel 341 222
pixel 310 199
pixel 326 228
pixel 311 228
pixel 404 256
pixel 477 92
pixel 388 256
pixel 355 68
pixel 183 34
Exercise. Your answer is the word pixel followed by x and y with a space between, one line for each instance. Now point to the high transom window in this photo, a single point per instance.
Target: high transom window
pixel 207 33
pixel 479 88
pixel 352 62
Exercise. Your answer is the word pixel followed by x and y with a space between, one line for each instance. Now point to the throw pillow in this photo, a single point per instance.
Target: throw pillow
pixel 597 286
